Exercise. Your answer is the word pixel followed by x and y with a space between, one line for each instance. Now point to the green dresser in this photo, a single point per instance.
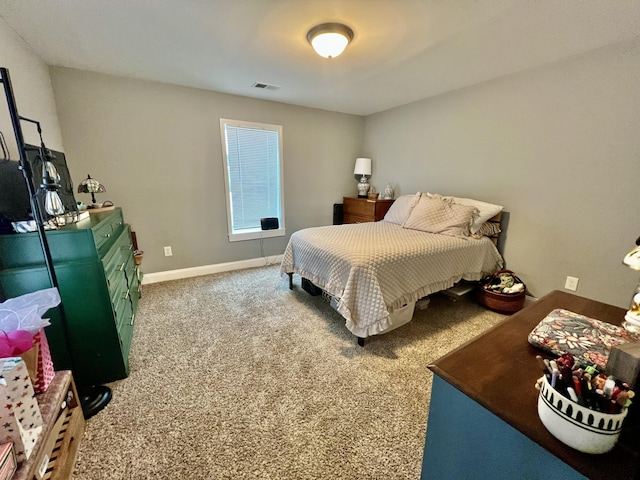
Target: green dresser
pixel 99 284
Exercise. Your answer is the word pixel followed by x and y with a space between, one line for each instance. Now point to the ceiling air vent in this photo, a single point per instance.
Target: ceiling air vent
pixel 265 86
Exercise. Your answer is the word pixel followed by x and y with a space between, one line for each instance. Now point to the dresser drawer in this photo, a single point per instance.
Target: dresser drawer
pixel 114 279
pixel 105 231
pixel 359 210
pixel 115 260
pixel 135 290
pixel 125 332
pixel 119 300
pixel 126 318
pixel 359 206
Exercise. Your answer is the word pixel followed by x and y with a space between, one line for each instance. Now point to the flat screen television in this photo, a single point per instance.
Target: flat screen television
pixel 15 205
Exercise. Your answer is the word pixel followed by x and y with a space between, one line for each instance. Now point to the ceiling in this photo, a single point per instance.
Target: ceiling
pixel 402 51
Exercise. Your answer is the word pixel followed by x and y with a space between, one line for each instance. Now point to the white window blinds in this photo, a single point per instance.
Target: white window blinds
pixel 253 166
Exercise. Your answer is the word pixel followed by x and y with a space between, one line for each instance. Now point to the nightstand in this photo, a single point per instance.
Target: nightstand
pixel 360 210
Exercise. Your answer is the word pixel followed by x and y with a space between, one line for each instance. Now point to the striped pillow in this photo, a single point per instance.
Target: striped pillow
pixel 436 214
pixel 488 229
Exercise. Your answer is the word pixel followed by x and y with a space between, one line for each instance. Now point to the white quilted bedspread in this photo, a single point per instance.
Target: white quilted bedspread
pixel 377 267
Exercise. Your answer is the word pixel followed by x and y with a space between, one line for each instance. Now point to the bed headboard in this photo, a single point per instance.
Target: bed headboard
pixel 502 220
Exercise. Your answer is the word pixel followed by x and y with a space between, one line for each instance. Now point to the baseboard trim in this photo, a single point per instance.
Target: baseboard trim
pixel 208 269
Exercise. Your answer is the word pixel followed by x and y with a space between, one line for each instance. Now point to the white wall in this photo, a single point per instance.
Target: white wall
pixel 558 146
pixel 32 91
pixel 157 149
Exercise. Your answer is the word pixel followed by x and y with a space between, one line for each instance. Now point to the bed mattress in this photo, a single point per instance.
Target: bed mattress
pixel 376 268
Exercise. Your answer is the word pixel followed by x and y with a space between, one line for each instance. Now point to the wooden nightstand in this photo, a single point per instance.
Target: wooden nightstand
pixel 360 210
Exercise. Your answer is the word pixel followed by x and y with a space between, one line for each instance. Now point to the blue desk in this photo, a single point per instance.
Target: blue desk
pixel 483 421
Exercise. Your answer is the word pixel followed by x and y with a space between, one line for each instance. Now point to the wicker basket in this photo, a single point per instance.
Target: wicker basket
pixel 500 302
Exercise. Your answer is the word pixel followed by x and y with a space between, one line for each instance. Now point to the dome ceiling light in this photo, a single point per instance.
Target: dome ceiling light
pixel 330 39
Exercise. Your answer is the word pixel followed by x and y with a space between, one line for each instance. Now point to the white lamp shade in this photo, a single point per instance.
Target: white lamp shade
pixel 363 166
pixel 329 45
pixel 330 39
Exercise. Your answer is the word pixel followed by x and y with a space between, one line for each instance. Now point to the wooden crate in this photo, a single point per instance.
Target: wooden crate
pixel 55 453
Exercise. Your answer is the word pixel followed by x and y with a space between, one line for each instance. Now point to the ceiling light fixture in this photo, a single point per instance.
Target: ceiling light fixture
pixel 330 39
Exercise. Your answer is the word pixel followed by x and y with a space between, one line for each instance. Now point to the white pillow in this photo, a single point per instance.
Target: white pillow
pixel 486 211
pixel 401 208
pixel 437 214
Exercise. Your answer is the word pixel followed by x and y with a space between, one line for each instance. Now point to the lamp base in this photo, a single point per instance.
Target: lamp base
pixel 93 399
pixel 363 187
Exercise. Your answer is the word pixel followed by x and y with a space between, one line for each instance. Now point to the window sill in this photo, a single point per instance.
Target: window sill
pixel 256 234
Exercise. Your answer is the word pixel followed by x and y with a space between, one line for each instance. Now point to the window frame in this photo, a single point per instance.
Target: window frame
pixel 254 233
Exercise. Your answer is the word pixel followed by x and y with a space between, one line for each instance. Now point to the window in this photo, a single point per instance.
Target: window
pixel 252 159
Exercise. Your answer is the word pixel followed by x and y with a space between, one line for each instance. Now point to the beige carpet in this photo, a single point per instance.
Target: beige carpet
pixel 234 376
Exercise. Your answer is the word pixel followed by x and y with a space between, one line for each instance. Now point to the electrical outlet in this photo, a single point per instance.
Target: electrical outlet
pixel 168 252
pixel 571 284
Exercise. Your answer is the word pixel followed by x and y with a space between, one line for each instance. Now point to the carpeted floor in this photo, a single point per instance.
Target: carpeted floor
pixel 234 376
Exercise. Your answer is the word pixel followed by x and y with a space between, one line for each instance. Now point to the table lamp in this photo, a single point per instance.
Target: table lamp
pixel 363 167
pixel 92 186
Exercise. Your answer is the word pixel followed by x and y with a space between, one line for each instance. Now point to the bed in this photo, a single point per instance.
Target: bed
pixel 373 273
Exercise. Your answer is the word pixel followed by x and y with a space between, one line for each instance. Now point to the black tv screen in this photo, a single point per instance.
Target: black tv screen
pixel 14 197
pixel 15 205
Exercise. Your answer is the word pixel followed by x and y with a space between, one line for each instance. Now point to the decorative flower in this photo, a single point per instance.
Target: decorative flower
pixel 572 341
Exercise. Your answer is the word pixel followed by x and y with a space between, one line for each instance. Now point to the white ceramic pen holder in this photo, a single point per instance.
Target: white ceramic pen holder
pixel 579 427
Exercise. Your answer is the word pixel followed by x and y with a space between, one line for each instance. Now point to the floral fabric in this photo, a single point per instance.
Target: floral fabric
pixel 587 339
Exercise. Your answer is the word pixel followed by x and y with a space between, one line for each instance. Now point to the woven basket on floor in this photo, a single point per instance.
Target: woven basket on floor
pixel 501 302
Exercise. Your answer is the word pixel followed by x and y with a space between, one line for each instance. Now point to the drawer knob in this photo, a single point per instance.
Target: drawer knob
pixel 121 267
pixel 133 319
